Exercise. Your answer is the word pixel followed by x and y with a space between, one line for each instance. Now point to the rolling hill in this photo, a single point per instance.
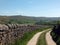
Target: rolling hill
pixel 26 19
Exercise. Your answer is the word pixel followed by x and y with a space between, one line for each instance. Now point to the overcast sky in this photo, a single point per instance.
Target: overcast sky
pixel 38 8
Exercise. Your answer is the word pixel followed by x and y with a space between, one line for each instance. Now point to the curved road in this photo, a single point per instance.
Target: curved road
pixel 34 39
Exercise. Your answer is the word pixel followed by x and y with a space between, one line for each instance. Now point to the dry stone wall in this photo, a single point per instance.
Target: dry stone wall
pixel 10 32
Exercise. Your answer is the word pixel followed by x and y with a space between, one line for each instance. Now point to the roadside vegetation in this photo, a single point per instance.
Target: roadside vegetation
pixel 27 36
pixel 55 33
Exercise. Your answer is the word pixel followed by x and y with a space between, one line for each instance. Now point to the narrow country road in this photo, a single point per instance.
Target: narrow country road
pixel 49 39
pixel 34 39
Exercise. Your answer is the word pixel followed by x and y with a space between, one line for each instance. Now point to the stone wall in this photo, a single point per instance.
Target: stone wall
pixel 10 32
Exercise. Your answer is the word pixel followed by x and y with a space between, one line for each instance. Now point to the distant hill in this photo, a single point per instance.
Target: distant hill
pixel 26 19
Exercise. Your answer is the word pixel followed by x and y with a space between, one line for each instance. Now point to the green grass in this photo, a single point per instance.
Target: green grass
pixel 42 40
pixel 27 36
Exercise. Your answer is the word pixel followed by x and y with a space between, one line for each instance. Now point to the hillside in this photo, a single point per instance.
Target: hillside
pixel 26 19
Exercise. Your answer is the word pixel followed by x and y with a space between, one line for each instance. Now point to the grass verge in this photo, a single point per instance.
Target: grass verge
pixel 42 39
pixel 27 36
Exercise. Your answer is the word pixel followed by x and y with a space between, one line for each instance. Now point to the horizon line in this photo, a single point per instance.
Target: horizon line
pixel 28 16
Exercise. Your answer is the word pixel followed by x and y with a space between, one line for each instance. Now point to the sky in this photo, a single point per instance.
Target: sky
pixel 38 8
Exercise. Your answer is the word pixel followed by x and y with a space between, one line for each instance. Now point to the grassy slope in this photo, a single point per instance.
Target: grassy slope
pixel 27 20
pixel 16 19
pixel 42 40
pixel 27 37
